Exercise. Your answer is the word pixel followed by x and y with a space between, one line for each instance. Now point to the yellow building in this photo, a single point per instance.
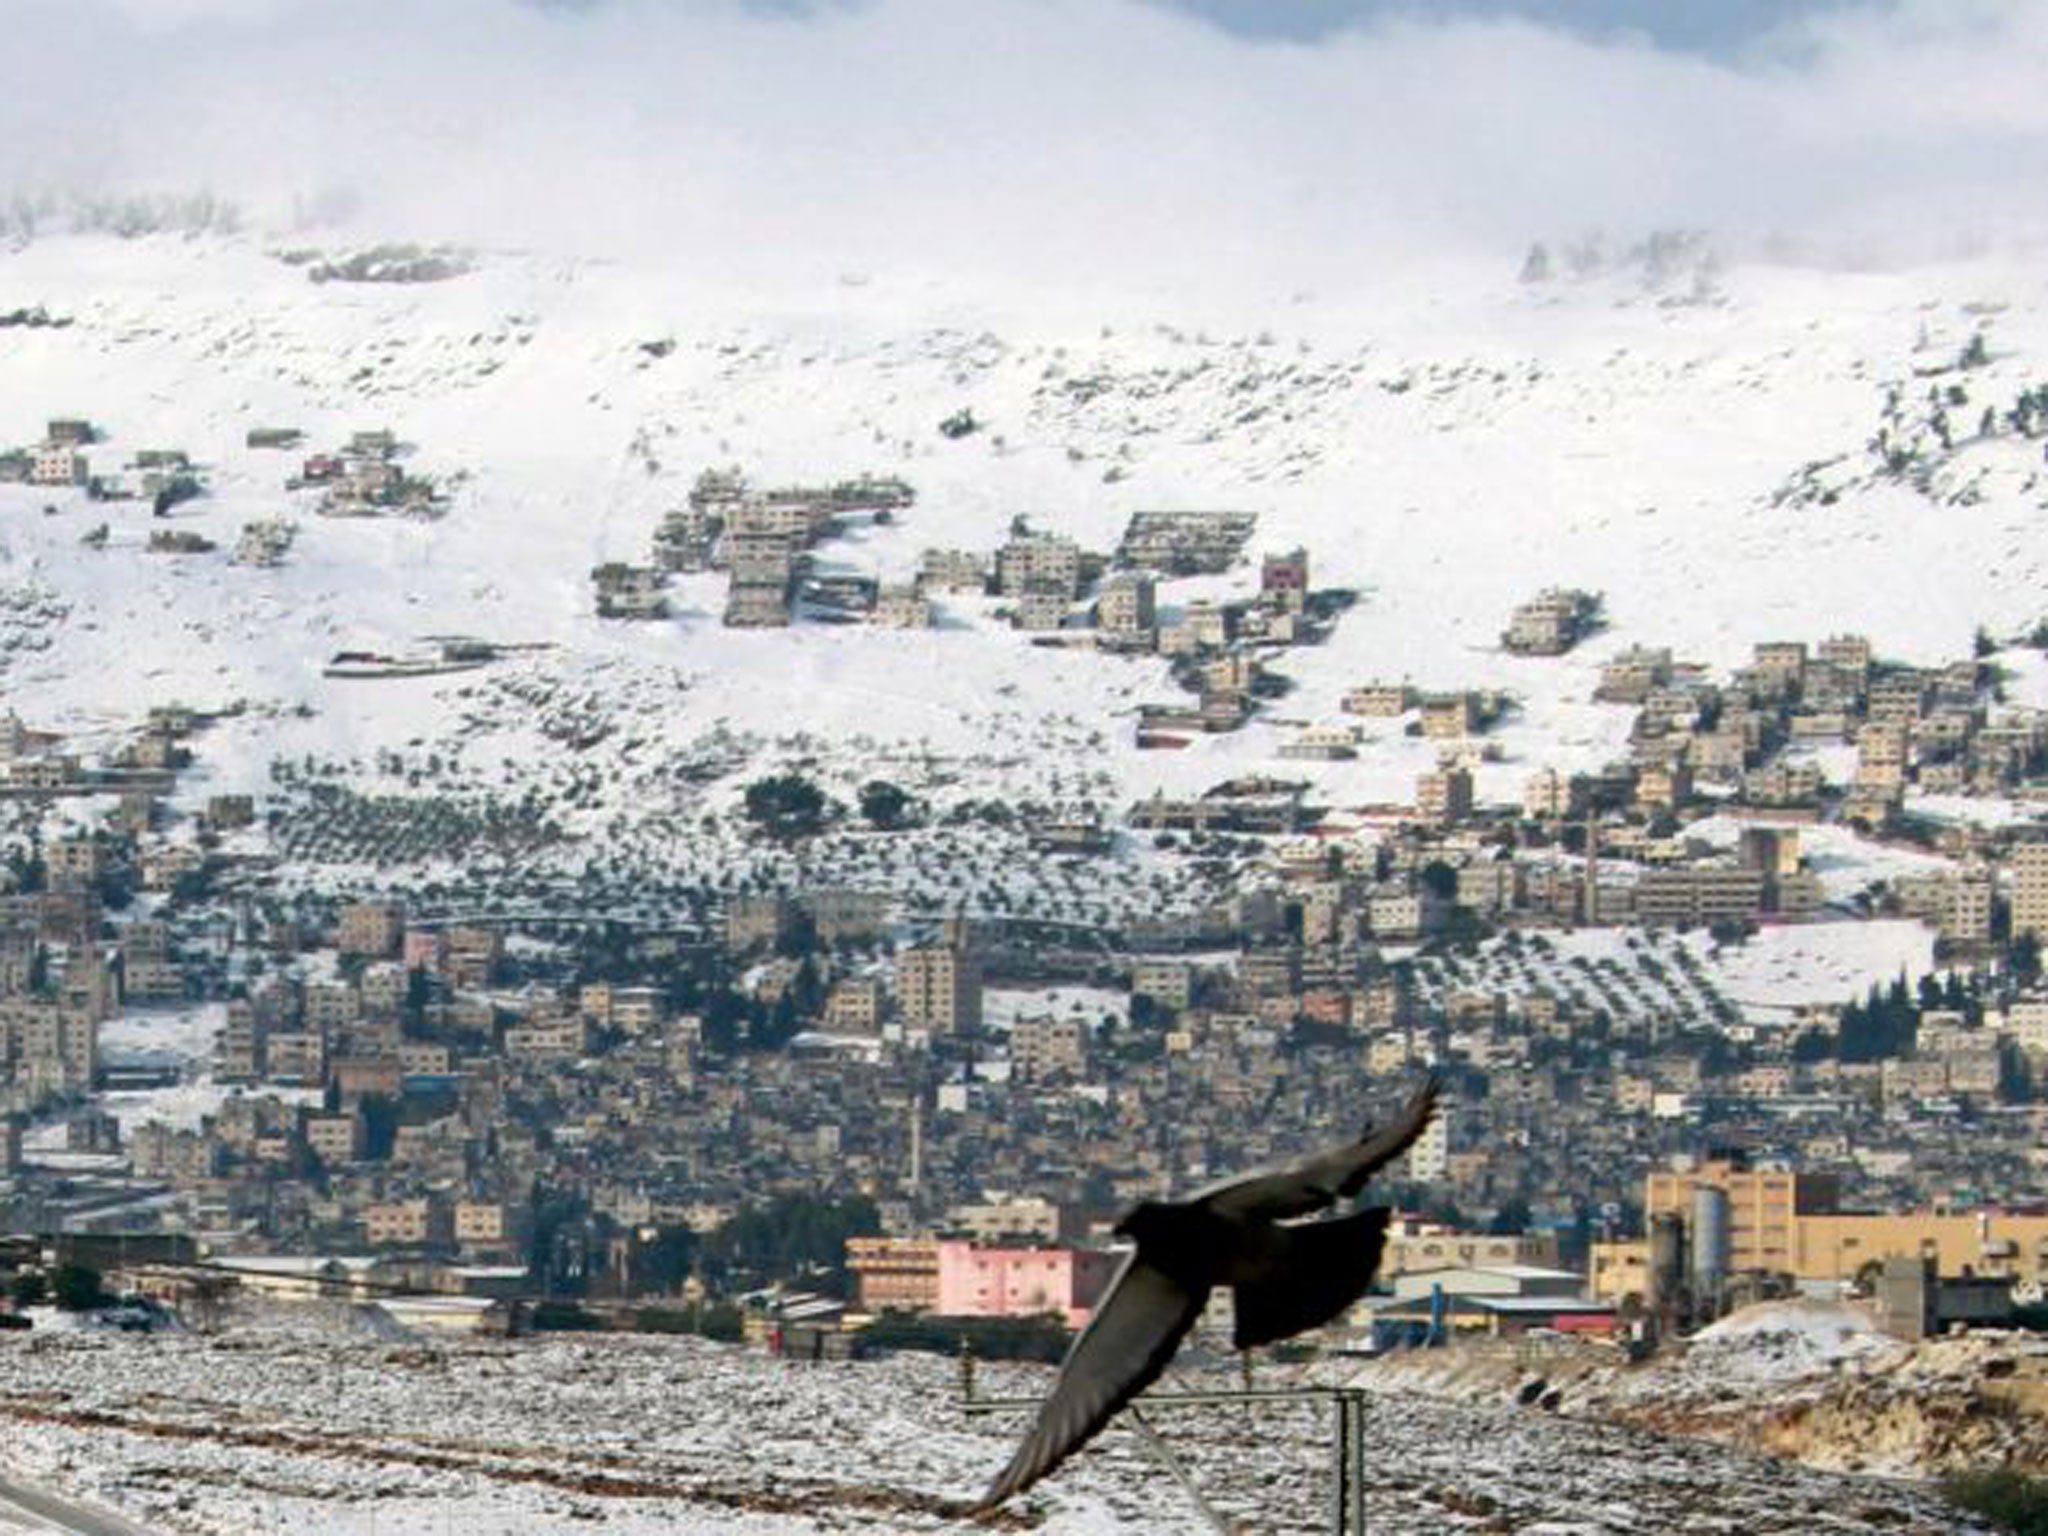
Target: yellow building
pixel 938 989
pixel 898 1274
pixel 1415 1247
pixel 1762 1206
pixel 1782 1222
pixel 2029 874
pixel 1621 1269
pixel 1835 1247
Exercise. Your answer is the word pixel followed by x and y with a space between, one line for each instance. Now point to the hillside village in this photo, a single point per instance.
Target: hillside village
pixel 549 1095
pixel 692 851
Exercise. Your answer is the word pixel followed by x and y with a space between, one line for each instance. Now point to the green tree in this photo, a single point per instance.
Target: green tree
pixel 380 1124
pixel 782 1025
pixel 792 1237
pixel 26 868
pixel 1440 880
pixel 558 1217
pixel 799 940
pixel 2026 958
pixel 664 1263
pixel 1513 1216
pixel 807 988
pixel 886 806
pixel 2010 1499
pixel 786 806
pixel 77 1288
pixel 728 1019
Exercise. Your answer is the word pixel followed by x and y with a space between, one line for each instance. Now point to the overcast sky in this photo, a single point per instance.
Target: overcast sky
pixel 1246 140
pixel 1721 28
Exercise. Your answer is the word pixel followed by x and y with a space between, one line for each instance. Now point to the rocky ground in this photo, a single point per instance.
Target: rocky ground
pixel 1809 1381
pixel 300 1428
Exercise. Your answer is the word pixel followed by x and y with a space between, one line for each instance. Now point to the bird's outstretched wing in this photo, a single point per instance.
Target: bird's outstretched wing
pixel 1127 1343
pixel 1334 1175
pixel 1313 1272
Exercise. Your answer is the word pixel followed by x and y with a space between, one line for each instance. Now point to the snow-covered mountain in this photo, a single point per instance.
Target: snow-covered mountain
pixel 1772 453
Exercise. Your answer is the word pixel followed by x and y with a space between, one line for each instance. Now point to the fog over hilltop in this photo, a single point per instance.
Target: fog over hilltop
pixel 1105 145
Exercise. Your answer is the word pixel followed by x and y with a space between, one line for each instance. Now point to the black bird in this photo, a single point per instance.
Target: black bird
pixel 1288 1276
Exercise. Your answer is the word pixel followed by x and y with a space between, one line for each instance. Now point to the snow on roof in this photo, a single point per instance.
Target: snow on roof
pixel 1507 1271
pixel 1536 1303
pixel 804 1311
pixel 428 1303
pixel 293 1264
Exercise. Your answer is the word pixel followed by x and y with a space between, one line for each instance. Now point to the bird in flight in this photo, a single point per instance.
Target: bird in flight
pixel 1287 1276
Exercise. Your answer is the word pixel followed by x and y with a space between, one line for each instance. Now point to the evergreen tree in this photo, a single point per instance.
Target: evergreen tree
pixel 77 1288
pixel 786 806
pixel 2026 959
pixel 886 806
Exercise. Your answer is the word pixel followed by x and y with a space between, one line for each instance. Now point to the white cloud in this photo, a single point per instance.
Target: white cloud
pixel 1077 141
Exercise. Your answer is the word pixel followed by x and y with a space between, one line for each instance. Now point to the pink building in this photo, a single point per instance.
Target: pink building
pixel 422 949
pixel 1021 1282
pixel 1285 573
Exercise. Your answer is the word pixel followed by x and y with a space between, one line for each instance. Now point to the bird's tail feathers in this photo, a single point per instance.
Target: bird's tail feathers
pixel 1322 1268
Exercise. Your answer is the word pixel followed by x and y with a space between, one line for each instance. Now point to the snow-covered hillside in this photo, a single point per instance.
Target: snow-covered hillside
pixel 1712 466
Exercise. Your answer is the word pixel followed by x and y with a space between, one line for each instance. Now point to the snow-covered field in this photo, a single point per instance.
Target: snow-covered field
pixel 1782 968
pixel 290 1428
pixel 1656 978
pixel 182 1037
pixel 1001 1007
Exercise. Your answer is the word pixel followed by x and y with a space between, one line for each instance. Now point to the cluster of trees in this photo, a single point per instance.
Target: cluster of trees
pixel 792 1237
pixel 2029 413
pixel 73 1287
pixel 738 1021
pixel 797 1237
pixel 1885 1024
pixel 788 807
pixel 24 217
